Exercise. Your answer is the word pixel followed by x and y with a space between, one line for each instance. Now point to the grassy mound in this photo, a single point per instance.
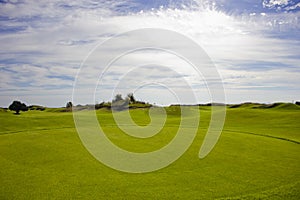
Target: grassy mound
pixel 246 105
pixel 36 107
pixel 284 106
pixel 3 109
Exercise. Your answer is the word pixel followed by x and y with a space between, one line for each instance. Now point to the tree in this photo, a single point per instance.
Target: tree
pixel 118 103
pixel 69 105
pixel 117 98
pixel 131 98
pixel 17 106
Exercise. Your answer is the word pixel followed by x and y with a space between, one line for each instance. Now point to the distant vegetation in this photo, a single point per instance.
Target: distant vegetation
pixel 118 103
pixel 129 102
pixel 36 107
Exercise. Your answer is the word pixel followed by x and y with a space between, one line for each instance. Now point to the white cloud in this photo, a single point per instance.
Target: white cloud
pixel 273 3
pixel 46 41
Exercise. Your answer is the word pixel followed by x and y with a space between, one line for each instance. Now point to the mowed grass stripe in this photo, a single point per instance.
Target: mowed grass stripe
pixel 262 135
pixel 33 130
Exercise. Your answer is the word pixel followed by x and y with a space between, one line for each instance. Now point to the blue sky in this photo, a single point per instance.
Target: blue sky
pixel 254 44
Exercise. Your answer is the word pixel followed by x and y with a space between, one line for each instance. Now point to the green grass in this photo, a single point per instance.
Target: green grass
pixel 257 157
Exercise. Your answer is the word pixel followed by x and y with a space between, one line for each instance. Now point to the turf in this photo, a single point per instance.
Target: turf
pixel 257 157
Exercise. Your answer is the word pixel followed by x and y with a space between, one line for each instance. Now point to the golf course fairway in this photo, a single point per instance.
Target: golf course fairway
pixel 256 157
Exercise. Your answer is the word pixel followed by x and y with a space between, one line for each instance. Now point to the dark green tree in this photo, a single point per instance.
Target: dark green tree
pixel 131 98
pixel 17 106
pixel 69 104
pixel 117 98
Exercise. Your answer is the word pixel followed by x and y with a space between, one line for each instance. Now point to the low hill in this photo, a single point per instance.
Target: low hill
pixel 286 106
pixel 278 105
pixel 246 105
pixel 36 107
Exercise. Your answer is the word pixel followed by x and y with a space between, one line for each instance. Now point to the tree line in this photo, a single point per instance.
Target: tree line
pixel 117 103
